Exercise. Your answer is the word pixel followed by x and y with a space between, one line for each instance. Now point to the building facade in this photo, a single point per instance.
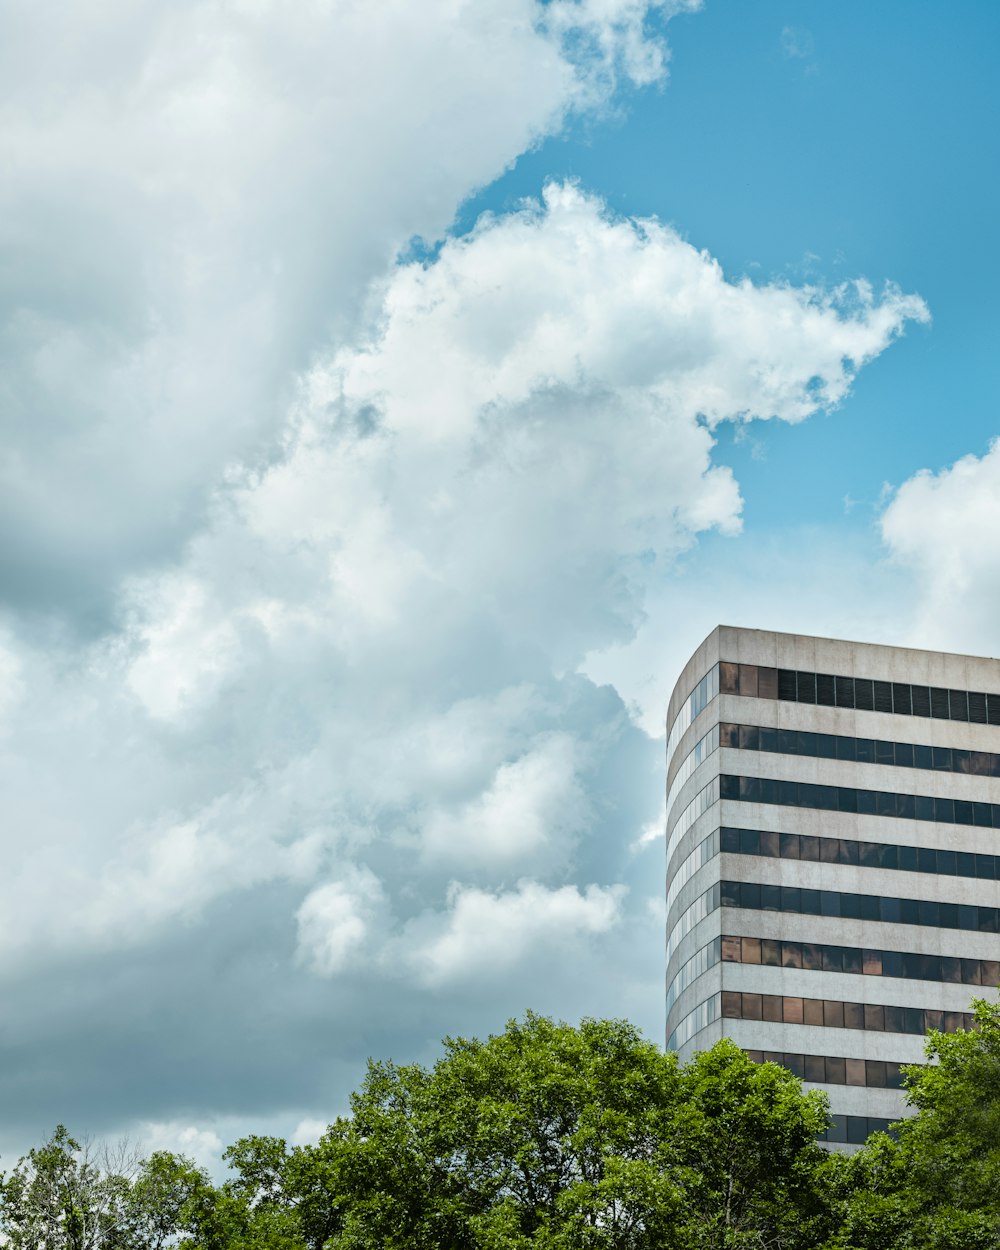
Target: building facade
pixel 833 858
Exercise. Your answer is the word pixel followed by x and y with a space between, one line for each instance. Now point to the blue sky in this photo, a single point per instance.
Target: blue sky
pixel 817 142
pixel 393 397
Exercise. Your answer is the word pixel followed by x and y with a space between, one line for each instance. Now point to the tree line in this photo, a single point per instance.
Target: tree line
pixel 560 1138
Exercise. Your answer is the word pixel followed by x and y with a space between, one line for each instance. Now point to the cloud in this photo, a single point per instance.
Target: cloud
pixel 937 526
pixel 797 43
pixel 486 935
pixel 195 195
pixel 359 529
pixel 335 921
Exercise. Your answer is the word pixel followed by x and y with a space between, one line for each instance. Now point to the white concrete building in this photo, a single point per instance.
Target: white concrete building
pixel 833 860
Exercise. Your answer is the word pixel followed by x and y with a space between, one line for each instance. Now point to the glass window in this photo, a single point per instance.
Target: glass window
pixel 875 1073
pixel 796 1065
pixel 748 740
pixel 870 855
pixel 770 898
pixel 812 1011
pixel 748 680
pixel 729 678
pixel 792 1010
pixel 806 687
pixel 855 1072
pixel 854 1015
pixel 833 959
pixel 923 756
pixel 904 755
pixel 921 697
pixel 885 804
pixel 990 972
pixel 837 1132
pixel 864 697
pixel 849 852
pixel 791 955
pixel 829 850
pixel 906 858
pixel 770 844
pixel 809 847
pixel 773 791
pixel 845 691
pixel 810 902
pixel 867 907
pixel 749 842
pixel 770 953
pixel 826 746
pixel 836 1071
pixel 833 1014
pixel 812 957
pixel 815 1068
pixel 751 950
pixel 730 1005
pixel 731 952
pixel 789 845
pixel 894 1022
pixel 874 1017
pixel 942 759
pixel 847 748
pixel 767 683
pixel 923 807
pixel 729 841
pixel 944 810
pixel 951 969
pixel 871 962
pixel 885 752
pixel 771 1007
pixel 852 959
pixel 751 1007
pixel 946 863
pixel 864 803
pixel 926 859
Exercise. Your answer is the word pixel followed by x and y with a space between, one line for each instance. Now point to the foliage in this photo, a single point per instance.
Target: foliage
pixel 938 1186
pixel 557 1138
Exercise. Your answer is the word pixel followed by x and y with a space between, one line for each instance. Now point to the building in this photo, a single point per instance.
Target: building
pixel 833 870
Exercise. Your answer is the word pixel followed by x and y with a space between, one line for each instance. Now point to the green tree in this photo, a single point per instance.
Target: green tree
pixel 557 1137
pixel 758 1178
pixel 937 1187
pixel 65 1196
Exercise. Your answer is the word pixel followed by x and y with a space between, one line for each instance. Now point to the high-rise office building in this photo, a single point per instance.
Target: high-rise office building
pixel 833 861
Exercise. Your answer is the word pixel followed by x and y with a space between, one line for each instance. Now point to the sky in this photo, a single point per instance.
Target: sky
pixel 393 397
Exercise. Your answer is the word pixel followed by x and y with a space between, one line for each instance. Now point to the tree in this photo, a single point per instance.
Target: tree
pixel 937 1186
pixel 757 1177
pixel 66 1196
pixel 557 1137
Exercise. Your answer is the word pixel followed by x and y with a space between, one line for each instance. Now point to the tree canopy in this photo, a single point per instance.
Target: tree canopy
pixel 557 1137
